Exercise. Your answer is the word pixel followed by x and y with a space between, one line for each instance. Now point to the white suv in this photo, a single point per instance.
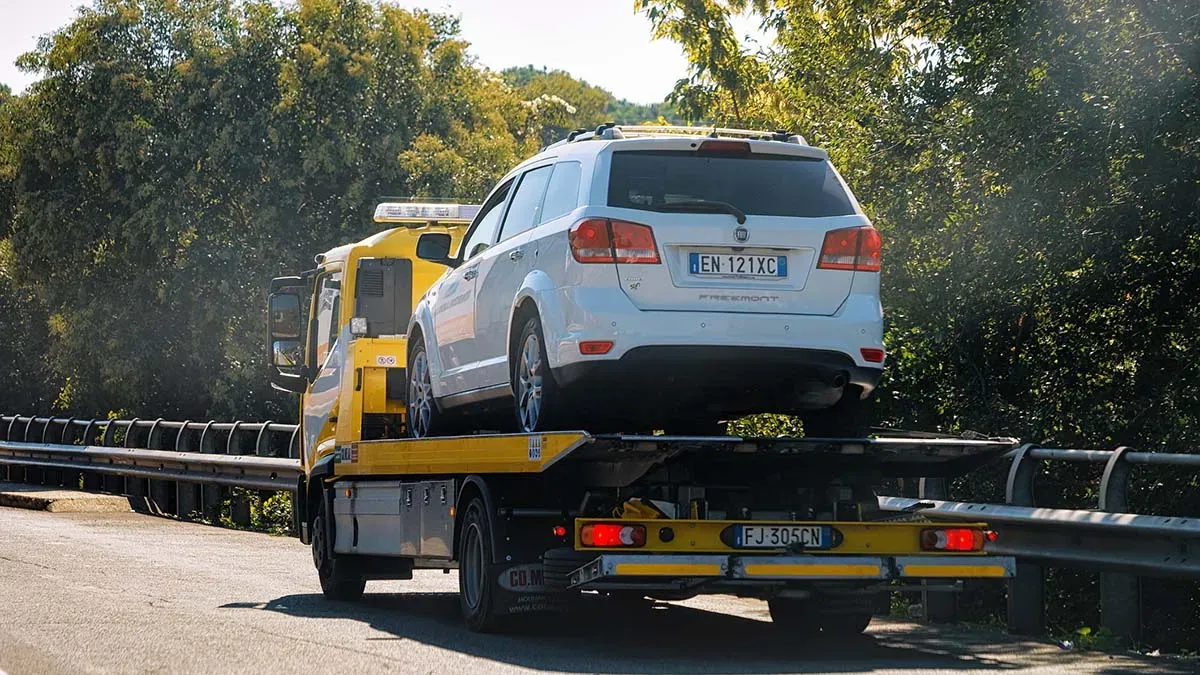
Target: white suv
pixel 648 278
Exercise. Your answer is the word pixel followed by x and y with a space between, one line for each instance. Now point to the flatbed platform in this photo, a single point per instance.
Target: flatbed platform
pixel 892 456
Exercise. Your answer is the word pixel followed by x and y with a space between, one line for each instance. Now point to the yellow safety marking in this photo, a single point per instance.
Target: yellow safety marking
pixel 704 536
pixel 812 570
pixel 955 571
pixel 669 569
pixel 462 454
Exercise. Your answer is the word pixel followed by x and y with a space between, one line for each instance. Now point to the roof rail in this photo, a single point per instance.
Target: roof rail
pixel 611 131
pixel 713 132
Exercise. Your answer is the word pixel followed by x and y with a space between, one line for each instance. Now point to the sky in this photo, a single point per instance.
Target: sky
pixel 601 41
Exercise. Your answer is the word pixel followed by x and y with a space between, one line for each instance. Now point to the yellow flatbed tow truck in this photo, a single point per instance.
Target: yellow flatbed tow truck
pixel 531 521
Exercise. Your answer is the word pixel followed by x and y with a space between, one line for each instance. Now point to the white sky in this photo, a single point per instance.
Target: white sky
pixel 601 41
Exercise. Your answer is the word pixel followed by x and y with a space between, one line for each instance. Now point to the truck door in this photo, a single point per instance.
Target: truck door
pixel 328 347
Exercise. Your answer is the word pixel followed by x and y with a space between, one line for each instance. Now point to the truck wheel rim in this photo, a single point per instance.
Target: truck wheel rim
pixel 420 397
pixel 472 566
pixel 529 383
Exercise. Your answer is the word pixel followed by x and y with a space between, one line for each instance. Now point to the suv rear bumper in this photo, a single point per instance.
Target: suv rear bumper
pixel 734 379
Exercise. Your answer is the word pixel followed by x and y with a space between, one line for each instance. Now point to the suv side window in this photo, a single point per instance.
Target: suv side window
pixel 562 195
pixel 486 224
pixel 526 202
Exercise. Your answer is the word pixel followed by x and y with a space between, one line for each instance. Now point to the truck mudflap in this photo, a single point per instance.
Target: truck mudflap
pixel 671 570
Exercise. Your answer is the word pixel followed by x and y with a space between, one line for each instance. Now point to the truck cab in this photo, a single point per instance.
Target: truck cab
pixel 340 328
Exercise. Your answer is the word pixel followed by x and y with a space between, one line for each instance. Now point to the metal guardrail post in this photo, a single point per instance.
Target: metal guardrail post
pixel 239 501
pixel 212 497
pixel 67 478
pixel 188 499
pixel 1027 590
pixel 938 606
pixel 1120 594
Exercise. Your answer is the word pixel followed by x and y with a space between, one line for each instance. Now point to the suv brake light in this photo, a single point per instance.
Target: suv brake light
pixel 600 240
pixel 857 249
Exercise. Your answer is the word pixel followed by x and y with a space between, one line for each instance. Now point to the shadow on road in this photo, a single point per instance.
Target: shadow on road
pixel 662 639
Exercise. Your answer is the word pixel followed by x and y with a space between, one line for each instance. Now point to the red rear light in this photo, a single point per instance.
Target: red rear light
pixel 595 347
pixel 871 355
pixel 560 531
pixel 724 147
pixel 591 241
pixel 612 535
pixel 598 240
pixel 957 539
pixel 855 248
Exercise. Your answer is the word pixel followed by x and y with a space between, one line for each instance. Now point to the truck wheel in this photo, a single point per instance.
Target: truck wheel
pixel 850 417
pixel 796 616
pixel 423 418
pixel 476 574
pixel 536 397
pixel 338 579
pixel 846 624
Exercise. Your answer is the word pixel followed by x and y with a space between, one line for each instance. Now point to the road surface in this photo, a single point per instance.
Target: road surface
pixel 129 593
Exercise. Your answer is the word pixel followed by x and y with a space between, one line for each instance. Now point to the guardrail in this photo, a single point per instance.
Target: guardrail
pixel 1108 540
pixel 173 468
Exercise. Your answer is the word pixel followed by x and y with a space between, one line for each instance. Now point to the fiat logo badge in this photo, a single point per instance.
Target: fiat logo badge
pixel 741 234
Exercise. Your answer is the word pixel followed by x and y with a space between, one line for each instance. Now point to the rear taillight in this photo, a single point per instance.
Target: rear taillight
pixel 600 240
pixel 612 535
pixel 957 539
pixel 872 355
pixel 855 248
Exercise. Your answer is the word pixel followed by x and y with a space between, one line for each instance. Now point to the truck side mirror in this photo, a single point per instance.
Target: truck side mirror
pixel 287 353
pixel 435 247
pixel 284 318
pixel 285 328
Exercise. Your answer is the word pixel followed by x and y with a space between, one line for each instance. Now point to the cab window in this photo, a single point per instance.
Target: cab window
pixel 483 232
pixel 329 301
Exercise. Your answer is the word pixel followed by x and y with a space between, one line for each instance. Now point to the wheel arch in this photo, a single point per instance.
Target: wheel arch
pixel 475 486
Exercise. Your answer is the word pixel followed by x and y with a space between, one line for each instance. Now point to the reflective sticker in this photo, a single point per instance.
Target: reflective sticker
pixel 347 454
pixel 384 361
pixel 535 448
pixel 523 578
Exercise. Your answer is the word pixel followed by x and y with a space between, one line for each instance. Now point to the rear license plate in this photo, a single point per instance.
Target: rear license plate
pixel 737 265
pixel 782 536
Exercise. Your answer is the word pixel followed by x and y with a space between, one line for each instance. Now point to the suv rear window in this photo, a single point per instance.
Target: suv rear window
pixel 758 184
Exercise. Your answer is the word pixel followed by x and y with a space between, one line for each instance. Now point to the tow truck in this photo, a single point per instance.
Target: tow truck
pixel 533 521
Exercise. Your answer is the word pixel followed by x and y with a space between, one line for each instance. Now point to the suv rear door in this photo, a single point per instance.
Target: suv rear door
pixel 790 197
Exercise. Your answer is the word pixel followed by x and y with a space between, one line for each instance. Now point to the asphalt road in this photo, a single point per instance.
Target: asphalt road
pixel 128 593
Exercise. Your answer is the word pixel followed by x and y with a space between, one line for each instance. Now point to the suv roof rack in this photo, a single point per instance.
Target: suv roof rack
pixel 612 131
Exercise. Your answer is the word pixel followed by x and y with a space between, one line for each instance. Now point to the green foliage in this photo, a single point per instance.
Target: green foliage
pixel 560 104
pixel 1035 170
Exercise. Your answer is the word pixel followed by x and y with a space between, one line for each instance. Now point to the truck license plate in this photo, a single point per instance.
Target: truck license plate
pixel 781 536
pixel 737 265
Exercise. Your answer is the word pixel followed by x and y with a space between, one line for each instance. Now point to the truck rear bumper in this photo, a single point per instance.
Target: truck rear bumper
pixel 672 569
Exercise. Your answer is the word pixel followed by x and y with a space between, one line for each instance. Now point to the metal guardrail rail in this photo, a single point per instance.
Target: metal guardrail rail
pixel 257 473
pixel 1119 545
pixel 176 468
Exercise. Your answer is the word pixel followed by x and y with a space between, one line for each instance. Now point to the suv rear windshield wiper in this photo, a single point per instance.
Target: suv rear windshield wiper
pixel 712 206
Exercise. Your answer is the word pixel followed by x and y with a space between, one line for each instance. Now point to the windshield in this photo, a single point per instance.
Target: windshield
pixel 758 184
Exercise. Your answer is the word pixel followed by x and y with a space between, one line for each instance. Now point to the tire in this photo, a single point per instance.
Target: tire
pixel 537 401
pixel 476 574
pixel 422 418
pixel 339 581
pixel 850 417
pixel 796 616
